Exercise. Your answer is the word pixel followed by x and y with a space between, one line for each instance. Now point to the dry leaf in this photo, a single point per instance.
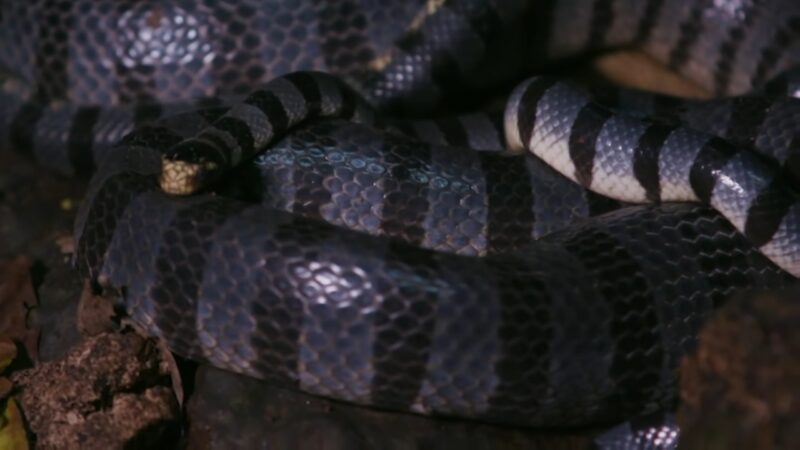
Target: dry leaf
pixel 17 298
pixel 5 387
pixel 12 429
pixel 8 351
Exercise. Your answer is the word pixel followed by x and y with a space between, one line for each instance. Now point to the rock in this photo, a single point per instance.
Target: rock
pixel 741 388
pixel 109 392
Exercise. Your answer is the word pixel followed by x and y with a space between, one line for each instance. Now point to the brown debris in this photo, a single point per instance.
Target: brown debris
pixel 5 387
pixel 741 389
pixel 12 426
pixel 111 391
pixel 17 298
pixel 8 351
pixel 637 70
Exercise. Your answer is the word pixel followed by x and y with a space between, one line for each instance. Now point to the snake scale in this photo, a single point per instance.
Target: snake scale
pixel 385 261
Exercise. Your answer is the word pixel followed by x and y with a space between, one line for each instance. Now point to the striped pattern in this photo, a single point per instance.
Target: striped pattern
pixel 602 18
pixel 49 73
pixel 648 20
pixel 510 206
pixel 645 160
pixel 363 319
pixel 373 321
pixel 636 364
pixel 478 131
pixel 406 199
pixel 707 165
pixel 443 198
pixel 729 49
pixel 400 357
pixel 764 123
pixel 71 139
pixel 177 284
pixel 583 141
pixel 250 126
pixel 782 40
pixel 523 360
pixel 690 31
pixel 767 211
pixel 436 61
pixel 749 193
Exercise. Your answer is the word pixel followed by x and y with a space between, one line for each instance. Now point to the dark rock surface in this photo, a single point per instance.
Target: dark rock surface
pixel 110 391
pixel 230 411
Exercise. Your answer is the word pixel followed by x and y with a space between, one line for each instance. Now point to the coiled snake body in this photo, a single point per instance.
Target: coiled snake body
pixel 456 291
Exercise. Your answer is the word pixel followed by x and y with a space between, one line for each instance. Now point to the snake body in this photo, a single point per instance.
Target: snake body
pixel 472 285
pixel 376 321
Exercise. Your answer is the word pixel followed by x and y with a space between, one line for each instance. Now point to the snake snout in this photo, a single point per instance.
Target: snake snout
pixel 180 177
pixel 190 166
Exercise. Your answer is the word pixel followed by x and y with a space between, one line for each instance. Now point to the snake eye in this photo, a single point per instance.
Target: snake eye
pixel 210 165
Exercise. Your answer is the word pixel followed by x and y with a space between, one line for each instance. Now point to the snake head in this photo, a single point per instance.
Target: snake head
pixel 189 167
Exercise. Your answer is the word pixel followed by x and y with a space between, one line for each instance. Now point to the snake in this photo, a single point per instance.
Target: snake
pixel 292 190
